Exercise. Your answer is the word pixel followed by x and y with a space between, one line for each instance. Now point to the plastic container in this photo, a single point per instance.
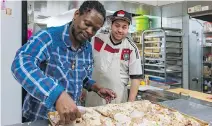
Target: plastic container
pixel 142 23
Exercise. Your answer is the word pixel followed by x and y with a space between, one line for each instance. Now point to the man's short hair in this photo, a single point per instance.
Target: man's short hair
pixel 89 5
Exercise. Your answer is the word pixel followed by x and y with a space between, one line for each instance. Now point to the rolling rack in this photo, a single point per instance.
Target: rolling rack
pixel 207 62
pixel 162 56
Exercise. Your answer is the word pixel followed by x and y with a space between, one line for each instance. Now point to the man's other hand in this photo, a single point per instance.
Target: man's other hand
pixel 107 94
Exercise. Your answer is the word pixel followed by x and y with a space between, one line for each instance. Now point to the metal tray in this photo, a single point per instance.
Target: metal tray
pixel 202 123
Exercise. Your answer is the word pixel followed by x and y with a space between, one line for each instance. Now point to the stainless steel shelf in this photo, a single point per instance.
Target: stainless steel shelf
pixel 155 76
pixel 166 28
pixel 168 65
pixel 153 36
pixel 157 71
pixel 153 47
pixel 175 47
pixel 174 53
pixel 162 71
pixel 171 56
pixel 170 35
pixel 152 53
pixel 170 59
pixel 147 42
pixel 157 65
pixel 174 41
pixel 174 71
pixel 160 59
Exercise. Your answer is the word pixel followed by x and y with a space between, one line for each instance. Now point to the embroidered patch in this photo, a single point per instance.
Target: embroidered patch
pixel 126 56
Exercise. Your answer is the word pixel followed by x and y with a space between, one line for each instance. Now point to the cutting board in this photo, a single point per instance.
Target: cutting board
pixel 194 94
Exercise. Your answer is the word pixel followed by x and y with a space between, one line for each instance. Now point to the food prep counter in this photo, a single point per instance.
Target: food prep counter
pixel 183 103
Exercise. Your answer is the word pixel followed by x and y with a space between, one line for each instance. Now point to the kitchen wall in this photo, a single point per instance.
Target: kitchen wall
pixel 10 42
pixel 174 15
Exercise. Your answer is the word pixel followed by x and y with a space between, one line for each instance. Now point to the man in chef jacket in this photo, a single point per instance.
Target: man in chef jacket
pixel 116 61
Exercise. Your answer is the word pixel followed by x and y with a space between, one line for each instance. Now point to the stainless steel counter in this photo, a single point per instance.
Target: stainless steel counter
pixel 188 107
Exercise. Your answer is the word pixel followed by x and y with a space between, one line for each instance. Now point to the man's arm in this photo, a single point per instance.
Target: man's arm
pixel 135 72
pixel 133 89
pixel 25 69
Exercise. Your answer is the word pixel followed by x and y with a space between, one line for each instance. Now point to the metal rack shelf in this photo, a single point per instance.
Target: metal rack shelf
pixel 206 78
pixel 159 59
pixel 152 53
pixel 156 65
pixel 173 59
pixel 157 71
pixel 154 36
pixel 174 47
pixel 162 71
pixel 173 35
pixel 155 76
pixel 167 47
pixel 153 47
pixel 174 41
pixel 149 42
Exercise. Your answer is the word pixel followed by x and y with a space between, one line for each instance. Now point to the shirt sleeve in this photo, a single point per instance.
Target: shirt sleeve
pixel 135 68
pixel 88 82
pixel 25 68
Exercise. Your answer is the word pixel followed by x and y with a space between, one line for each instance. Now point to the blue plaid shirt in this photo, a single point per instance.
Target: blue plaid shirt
pixel 52 47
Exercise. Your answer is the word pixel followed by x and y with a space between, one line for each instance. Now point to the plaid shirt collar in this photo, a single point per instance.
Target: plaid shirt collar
pixel 66 37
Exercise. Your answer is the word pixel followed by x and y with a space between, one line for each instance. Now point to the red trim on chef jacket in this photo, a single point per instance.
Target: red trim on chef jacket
pixel 125 51
pixel 111 49
pixel 98 43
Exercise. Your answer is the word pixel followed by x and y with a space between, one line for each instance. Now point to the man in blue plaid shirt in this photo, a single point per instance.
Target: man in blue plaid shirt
pixel 68 60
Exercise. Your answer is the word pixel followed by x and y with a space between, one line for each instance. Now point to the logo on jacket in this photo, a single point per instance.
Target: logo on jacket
pixel 125 55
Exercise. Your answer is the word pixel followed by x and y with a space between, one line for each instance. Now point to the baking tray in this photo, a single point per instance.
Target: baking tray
pixel 193 109
pixel 201 122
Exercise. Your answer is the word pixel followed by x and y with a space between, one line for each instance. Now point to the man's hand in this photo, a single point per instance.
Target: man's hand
pixel 67 109
pixel 83 95
pixel 107 94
